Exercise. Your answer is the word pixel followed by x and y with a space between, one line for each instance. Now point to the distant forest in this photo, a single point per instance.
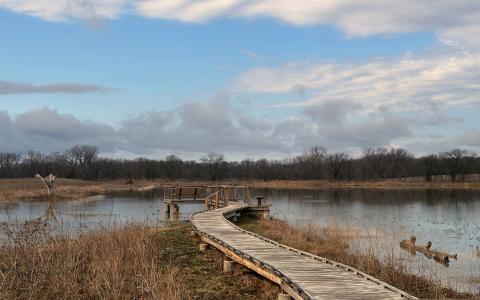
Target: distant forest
pixel 83 162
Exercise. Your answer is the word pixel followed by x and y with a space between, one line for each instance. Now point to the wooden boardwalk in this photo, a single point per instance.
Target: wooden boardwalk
pixel 300 274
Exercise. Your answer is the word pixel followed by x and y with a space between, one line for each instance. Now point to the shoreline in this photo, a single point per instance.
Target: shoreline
pixel 67 189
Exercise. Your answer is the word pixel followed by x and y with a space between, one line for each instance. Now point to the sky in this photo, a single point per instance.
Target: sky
pixel 248 78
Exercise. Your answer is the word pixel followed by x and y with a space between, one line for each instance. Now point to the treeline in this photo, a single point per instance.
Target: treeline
pixel 83 162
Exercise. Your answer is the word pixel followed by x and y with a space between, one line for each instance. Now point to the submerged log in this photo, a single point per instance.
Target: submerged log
pixel 438 256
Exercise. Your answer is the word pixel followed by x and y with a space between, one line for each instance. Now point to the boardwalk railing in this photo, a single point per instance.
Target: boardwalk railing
pixel 225 193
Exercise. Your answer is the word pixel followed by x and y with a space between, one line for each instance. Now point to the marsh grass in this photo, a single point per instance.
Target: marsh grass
pixel 337 243
pixel 135 262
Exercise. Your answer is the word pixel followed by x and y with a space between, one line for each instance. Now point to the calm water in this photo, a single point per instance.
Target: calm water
pixel 450 219
pixel 96 212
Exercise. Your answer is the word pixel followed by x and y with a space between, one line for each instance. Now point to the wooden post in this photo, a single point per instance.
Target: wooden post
pixel 203 247
pixel 227 196
pixel 195 194
pixel 180 194
pixel 227 266
pixel 176 212
pixel 206 203
pixel 282 296
pixel 216 199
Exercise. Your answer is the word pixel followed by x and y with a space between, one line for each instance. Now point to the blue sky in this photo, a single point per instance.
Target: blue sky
pixel 137 78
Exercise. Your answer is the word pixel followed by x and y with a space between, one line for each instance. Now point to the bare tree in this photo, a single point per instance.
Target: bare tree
pixel 262 168
pixel 172 166
pixel 376 162
pixel 399 160
pixel 430 162
pixel 458 162
pixel 214 164
pixel 81 158
pixel 335 163
pixel 9 162
pixel 316 159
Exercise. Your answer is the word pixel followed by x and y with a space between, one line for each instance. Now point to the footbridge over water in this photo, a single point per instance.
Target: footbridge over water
pixel 301 275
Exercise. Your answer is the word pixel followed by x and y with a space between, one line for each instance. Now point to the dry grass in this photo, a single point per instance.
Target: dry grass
pixel 390 184
pixel 132 263
pixel 33 189
pixel 333 243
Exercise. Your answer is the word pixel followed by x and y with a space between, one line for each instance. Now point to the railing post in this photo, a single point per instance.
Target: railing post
pixel 206 203
pixel 227 196
pixel 216 199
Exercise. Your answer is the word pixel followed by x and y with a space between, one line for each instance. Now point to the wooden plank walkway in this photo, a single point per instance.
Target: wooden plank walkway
pixel 300 274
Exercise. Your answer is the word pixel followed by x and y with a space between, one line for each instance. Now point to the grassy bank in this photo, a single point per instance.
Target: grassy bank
pixel 393 184
pixel 32 189
pixel 333 243
pixel 132 263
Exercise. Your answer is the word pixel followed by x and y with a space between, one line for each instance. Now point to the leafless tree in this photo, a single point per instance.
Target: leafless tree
pixel 316 159
pixel 81 158
pixel 262 168
pixel 172 166
pixel 399 161
pixel 430 163
pixel 376 162
pixel 458 162
pixel 335 164
pixel 214 164
pixel 9 162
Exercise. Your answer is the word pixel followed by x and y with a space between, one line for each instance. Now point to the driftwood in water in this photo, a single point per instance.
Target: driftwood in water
pixel 438 256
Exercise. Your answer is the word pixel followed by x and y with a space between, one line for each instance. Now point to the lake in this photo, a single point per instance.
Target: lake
pixel 450 219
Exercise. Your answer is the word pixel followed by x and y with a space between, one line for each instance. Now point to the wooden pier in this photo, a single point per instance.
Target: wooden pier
pixel 210 196
pixel 300 274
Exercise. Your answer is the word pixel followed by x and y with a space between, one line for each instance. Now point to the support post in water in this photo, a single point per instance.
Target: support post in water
pixel 259 200
pixel 176 212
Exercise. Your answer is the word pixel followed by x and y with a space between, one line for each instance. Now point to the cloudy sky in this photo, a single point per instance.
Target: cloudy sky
pixel 249 78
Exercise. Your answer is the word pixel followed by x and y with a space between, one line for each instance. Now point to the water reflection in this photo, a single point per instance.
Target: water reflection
pixel 95 212
pixel 448 218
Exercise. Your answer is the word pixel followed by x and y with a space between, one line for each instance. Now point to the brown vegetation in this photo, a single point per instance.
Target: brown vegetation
pixel 33 189
pixel 393 184
pixel 132 263
pixel 333 243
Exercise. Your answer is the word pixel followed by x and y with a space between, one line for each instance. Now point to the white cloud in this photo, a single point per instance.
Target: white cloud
pixel 397 84
pixel 451 20
pixel 61 10
pixel 357 18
